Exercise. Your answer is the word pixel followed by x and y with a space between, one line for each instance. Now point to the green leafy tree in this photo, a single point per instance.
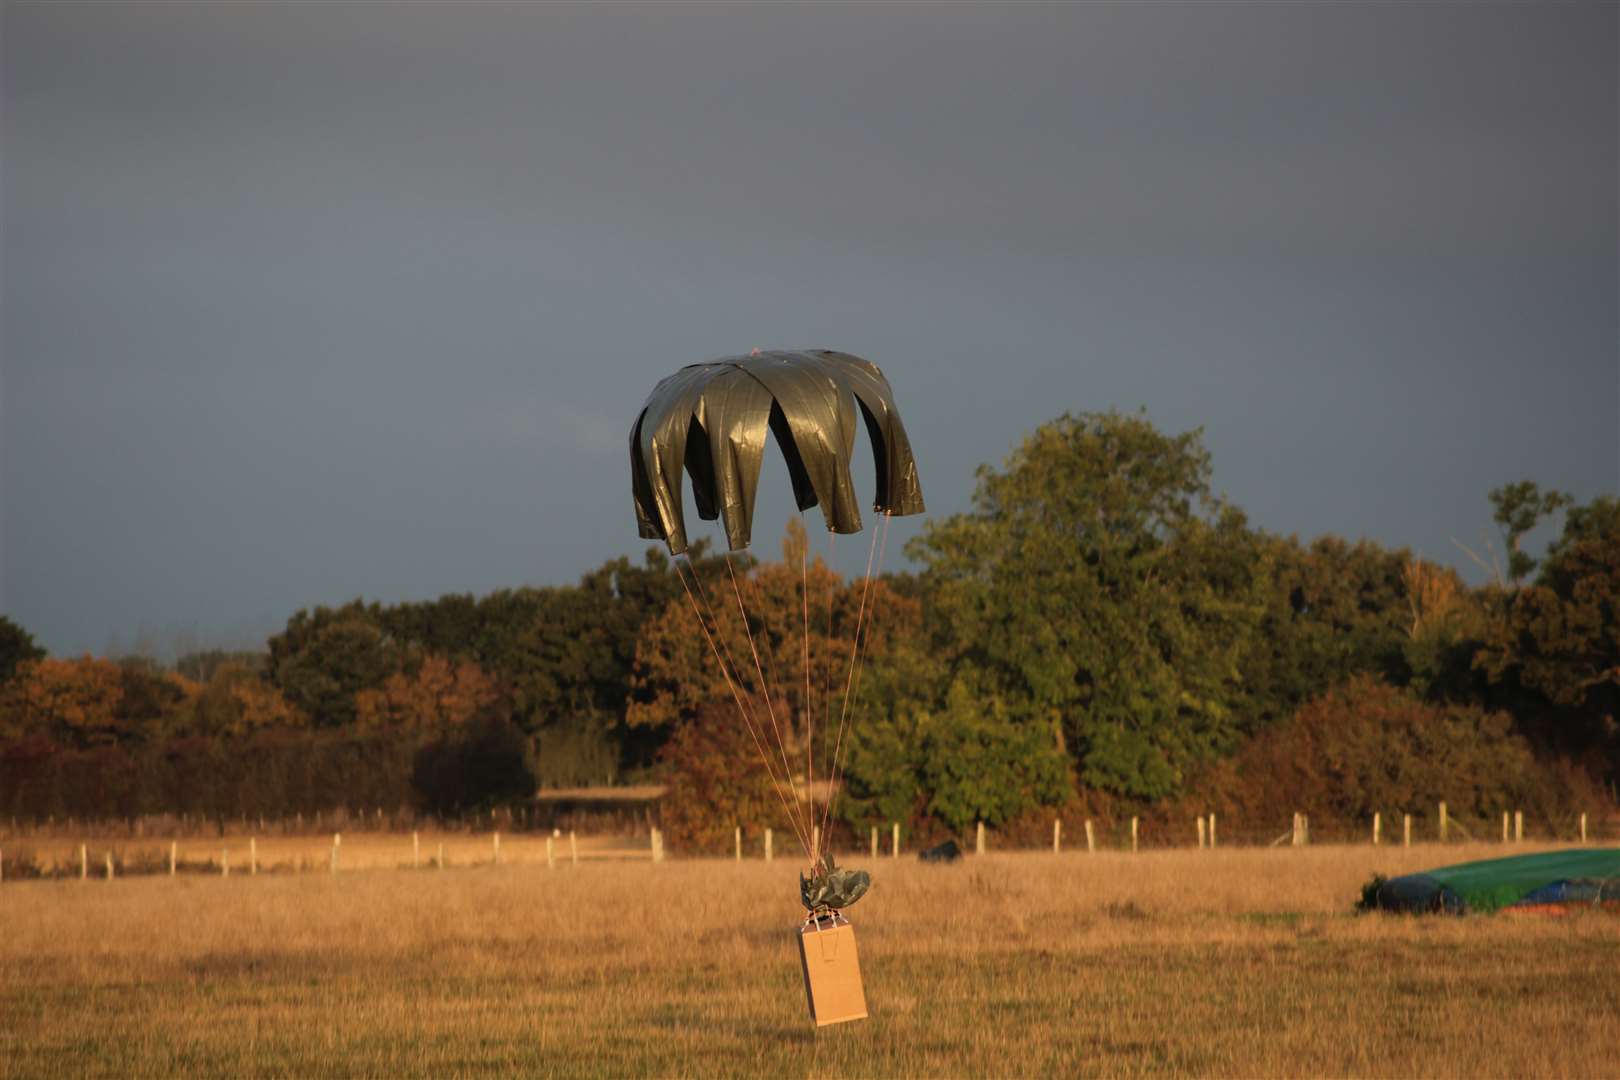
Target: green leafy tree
pixel 17 647
pixel 1333 609
pixel 572 677
pixel 978 764
pixel 1519 508
pixel 155 703
pixel 1554 647
pixel 883 777
pixel 1094 591
pixel 324 659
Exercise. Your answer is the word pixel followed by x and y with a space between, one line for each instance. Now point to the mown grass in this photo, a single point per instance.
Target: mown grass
pixel 1234 962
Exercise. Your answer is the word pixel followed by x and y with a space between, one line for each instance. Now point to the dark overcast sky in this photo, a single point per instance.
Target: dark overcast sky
pixel 310 301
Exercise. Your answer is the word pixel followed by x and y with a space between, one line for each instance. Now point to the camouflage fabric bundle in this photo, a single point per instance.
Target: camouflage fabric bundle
pixel 829 889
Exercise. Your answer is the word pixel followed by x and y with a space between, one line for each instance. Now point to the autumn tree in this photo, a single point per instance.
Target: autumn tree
pixel 438 697
pixel 236 702
pixel 717 784
pixel 1367 747
pixel 71 702
pixel 786 632
pixel 200 667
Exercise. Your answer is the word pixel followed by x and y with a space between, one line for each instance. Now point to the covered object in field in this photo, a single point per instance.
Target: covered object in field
pixel 1552 880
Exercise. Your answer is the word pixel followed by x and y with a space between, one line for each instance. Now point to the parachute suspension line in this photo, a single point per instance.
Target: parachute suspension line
pixel 751 586
pixel 735 694
pixel 804 595
pixel 857 666
pixel 755 731
pixel 765 684
pixel 826 694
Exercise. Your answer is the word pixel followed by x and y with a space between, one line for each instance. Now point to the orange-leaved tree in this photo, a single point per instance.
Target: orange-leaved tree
pixel 791 662
pixel 438 697
pixel 71 702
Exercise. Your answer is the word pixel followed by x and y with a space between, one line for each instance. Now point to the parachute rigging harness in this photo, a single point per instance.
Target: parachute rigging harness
pixel 829 889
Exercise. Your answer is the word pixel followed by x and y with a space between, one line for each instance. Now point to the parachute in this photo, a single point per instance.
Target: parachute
pixel 710 421
pixel 1553 881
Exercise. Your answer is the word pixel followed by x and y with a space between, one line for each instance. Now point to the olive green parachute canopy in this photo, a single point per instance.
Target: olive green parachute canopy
pixel 711 419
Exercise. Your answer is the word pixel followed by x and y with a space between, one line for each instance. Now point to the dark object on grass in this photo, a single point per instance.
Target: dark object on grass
pixel 830 889
pixel 1550 881
pixel 947 852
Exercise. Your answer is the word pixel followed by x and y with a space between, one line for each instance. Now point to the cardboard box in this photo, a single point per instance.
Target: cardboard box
pixel 832 971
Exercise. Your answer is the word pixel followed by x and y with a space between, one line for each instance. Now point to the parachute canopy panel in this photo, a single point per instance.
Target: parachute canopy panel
pixel 710 421
pixel 1553 878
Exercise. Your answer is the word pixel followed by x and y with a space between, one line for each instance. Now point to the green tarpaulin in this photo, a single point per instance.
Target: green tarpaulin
pixel 1579 876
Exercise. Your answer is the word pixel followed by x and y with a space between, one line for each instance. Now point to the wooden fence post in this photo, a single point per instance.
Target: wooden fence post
pixel 225 863
pixel 768 852
pixel 1583 828
pixel 658 845
pixel 1200 831
pixel 337 842
pixel 84 863
pixel 894 843
pixel 1057 835
pixel 1504 826
pixel 1133 834
pixel 109 866
pixel 1091 838
pixel 1299 829
pixel 736 840
pixel 978 843
pixel 1444 823
pixel 497 849
pixel 1406 830
pixel 173 853
pixel 416 851
pixel 253 856
pixel 573 849
pixel 1518 826
pixel 1378 821
pixel 551 854
pixel 874 842
pixel 441 854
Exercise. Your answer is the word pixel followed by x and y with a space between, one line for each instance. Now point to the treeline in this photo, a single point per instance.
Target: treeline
pixel 1099 631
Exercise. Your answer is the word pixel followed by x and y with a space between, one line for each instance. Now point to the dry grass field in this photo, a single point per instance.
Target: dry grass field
pixel 1233 962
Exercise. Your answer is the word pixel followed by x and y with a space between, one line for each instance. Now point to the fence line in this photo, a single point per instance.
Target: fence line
pixel 1447 829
